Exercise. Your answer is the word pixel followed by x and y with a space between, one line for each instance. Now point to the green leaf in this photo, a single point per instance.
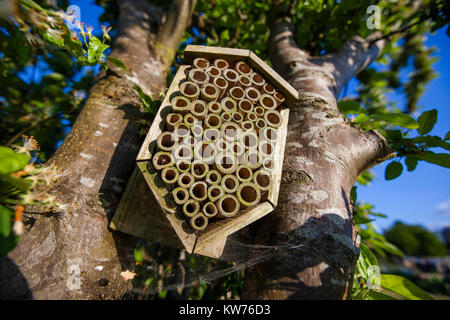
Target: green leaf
pixel 432 141
pixel 353 194
pixel 393 170
pixel 361 118
pixel 5 221
pixel 374 295
pixel 11 161
pixel 411 163
pixel 349 106
pixel 117 62
pixel 403 287
pixel 447 136
pixel 427 121
pixel 398 119
pixel 96 49
pixel 441 159
pixel 368 255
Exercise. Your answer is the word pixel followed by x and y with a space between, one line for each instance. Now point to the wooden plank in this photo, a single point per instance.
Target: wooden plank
pixel 291 95
pixel 279 157
pixel 142 217
pixel 168 206
pixel 145 153
pixel 215 250
pixel 230 54
pixel 222 229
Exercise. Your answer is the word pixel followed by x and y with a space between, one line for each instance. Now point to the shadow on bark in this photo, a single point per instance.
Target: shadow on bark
pixel 314 261
pixel 10 274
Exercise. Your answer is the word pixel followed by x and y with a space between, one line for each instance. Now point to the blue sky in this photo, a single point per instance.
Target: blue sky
pixel 418 197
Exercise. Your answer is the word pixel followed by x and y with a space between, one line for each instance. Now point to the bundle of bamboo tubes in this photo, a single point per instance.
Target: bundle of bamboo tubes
pixel 216 152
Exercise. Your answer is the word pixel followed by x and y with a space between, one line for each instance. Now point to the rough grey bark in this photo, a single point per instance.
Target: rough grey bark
pixel 315 245
pixel 99 154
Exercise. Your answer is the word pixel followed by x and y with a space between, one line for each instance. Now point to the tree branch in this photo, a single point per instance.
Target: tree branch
pixel 170 33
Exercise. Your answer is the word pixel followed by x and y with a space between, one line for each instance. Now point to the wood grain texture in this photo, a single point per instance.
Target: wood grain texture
pixel 278 159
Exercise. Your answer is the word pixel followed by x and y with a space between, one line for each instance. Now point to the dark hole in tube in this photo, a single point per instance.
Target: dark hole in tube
pixel 273 118
pixel 248 194
pixel 228 205
pixel 263 180
pixel 199 191
pixel 244 173
pixel 199 221
pixel 230 183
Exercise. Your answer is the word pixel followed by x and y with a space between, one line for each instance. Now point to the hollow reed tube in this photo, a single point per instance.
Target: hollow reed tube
pixel 228 206
pixel 198 222
pixel 248 194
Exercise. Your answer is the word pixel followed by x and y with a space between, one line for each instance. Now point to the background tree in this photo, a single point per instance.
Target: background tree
pixel 318 46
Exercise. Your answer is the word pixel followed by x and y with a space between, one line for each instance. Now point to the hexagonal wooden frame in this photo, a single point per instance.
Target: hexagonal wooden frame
pixel 168 225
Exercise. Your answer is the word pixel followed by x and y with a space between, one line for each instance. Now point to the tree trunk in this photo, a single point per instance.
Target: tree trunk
pixel 313 243
pixel 72 254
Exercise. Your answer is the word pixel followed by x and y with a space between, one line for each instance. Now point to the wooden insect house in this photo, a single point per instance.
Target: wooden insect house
pixel 211 162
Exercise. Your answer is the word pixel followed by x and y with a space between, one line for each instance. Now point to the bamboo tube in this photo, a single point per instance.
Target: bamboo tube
pixel 251 116
pixel 226 116
pixel 247 125
pixel 201 63
pixel 231 76
pixel 260 124
pixel 199 191
pixel 257 80
pixel 248 194
pixel 230 131
pixel 268 164
pixel 268 89
pixel 273 118
pixel 213 177
pixel 213 121
pixel 242 68
pixel 190 90
pixel 237 117
pixel 205 151
pixel 244 81
pixel 199 170
pixel 181 131
pixel 183 166
pixel 259 111
pixel 252 94
pixel 262 179
pixel 198 76
pixel 237 148
pixel 268 102
pixel 266 149
pixel 249 139
pixel 270 134
pixel 162 159
pixel 229 183
pixel 222 145
pixel 172 120
pixel 197 132
pixel 228 206
pixel 237 93
pixel 209 92
pixel 182 152
pixel 213 72
pixel 199 109
pixel 191 207
pixel 245 106
pixel 221 64
pixel 253 159
pixel 180 195
pixel 211 134
pixel 214 107
pixel 279 98
pixel 198 222
pixel 166 141
pixel 185 180
pixel 244 173
pixel 225 163
pixel 209 209
pixel 189 119
pixel 215 192
pixel 180 104
pixel 228 104
pixel 222 84
pixel 169 176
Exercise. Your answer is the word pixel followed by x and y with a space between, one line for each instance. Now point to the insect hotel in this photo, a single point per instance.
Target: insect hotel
pixel 211 162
